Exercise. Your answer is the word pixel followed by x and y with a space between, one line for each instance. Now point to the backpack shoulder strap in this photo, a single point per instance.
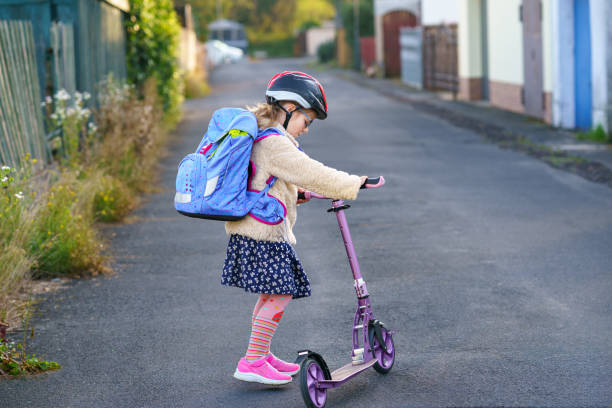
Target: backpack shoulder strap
pixel 271 131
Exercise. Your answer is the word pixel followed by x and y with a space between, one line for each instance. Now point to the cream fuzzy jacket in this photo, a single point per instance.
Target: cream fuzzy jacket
pixel 279 156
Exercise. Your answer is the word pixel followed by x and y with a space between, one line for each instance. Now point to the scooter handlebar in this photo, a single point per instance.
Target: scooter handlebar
pixel 374 182
pixel 369 183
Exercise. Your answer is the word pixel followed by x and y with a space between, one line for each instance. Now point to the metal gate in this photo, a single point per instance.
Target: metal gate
pixel 440 58
pixel 411 43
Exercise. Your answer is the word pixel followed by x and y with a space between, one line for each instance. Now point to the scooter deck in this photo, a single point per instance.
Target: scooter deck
pixel 349 370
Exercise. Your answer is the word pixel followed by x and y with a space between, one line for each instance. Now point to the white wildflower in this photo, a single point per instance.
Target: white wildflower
pixel 86 95
pixel 92 127
pixel 54 116
pixel 6 168
pixel 62 95
pixel 70 111
pixel 84 112
pixel 48 99
pixel 19 195
pixel 4 179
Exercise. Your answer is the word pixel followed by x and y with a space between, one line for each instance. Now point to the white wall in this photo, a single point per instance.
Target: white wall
pixel 505 41
pixel 317 36
pixel 440 11
pixel 599 74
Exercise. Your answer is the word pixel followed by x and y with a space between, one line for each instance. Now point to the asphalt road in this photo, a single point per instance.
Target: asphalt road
pixel 495 269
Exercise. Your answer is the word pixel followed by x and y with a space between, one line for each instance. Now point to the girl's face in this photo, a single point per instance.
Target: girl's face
pixel 300 120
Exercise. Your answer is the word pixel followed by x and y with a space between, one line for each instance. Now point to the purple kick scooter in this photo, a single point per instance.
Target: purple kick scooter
pixel 372 341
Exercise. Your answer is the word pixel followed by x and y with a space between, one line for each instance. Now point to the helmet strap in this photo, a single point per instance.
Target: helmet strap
pixel 287 115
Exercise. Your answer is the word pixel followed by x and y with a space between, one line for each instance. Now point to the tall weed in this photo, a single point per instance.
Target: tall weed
pixel 18 213
pixel 132 133
pixel 64 240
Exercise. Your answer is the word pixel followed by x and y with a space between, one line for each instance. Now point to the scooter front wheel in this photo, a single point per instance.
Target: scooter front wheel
pixel 310 373
pixel 385 356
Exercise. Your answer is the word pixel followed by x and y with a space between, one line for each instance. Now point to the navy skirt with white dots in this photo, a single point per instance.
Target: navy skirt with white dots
pixel 264 267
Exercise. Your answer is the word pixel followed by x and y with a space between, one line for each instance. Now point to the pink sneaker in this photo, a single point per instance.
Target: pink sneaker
pixel 282 366
pixel 260 371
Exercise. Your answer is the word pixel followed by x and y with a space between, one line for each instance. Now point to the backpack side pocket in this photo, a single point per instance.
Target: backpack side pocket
pixel 186 183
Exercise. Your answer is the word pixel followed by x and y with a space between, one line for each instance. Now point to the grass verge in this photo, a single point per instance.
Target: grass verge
pixel 48 217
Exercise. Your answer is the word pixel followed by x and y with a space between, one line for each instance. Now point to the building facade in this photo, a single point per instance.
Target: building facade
pixel 548 59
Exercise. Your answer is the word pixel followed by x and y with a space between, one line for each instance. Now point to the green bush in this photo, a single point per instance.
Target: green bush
pixel 596 135
pixel 152 48
pixel 366 18
pixel 326 51
pixel 275 47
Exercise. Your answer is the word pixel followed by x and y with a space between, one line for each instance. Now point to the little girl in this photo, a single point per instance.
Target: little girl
pixel 260 257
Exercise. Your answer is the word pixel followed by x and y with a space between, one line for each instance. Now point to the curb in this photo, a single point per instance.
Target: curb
pixel 430 103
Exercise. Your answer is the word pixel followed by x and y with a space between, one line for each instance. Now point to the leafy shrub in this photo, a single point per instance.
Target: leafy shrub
pixel 152 48
pixel 326 51
pixel 274 46
pixel 597 135
pixel 366 18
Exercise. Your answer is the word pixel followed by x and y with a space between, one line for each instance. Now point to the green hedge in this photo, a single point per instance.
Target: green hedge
pixel 152 48
pixel 282 47
pixel 327 51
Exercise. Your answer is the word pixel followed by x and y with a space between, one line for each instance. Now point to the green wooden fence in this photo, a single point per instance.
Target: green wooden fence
pixel 21 123
pixel 62 44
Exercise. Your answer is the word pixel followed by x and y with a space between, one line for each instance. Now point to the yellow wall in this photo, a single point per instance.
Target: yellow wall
pixel 470 45
pixel 505 41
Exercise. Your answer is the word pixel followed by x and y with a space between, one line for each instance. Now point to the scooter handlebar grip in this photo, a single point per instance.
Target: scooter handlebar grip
pixel 374 182
pixel 304 195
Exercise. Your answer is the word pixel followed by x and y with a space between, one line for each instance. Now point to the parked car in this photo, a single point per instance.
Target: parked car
pixel 230 32
pixel 220 53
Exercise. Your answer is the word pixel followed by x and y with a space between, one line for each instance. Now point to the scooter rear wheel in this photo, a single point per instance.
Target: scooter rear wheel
pixel 310 373
pixel 385 358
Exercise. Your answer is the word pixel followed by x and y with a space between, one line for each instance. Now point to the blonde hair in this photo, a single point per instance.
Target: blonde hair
pixel 266 114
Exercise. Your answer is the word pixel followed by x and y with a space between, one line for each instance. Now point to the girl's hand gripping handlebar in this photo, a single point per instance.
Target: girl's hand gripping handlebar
pixel 369 183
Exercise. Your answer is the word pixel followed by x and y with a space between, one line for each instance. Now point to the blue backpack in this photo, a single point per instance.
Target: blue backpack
pixel 214 182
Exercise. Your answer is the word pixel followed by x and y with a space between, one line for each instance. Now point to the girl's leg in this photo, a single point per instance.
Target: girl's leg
pixel 265 321
pixel 263 298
